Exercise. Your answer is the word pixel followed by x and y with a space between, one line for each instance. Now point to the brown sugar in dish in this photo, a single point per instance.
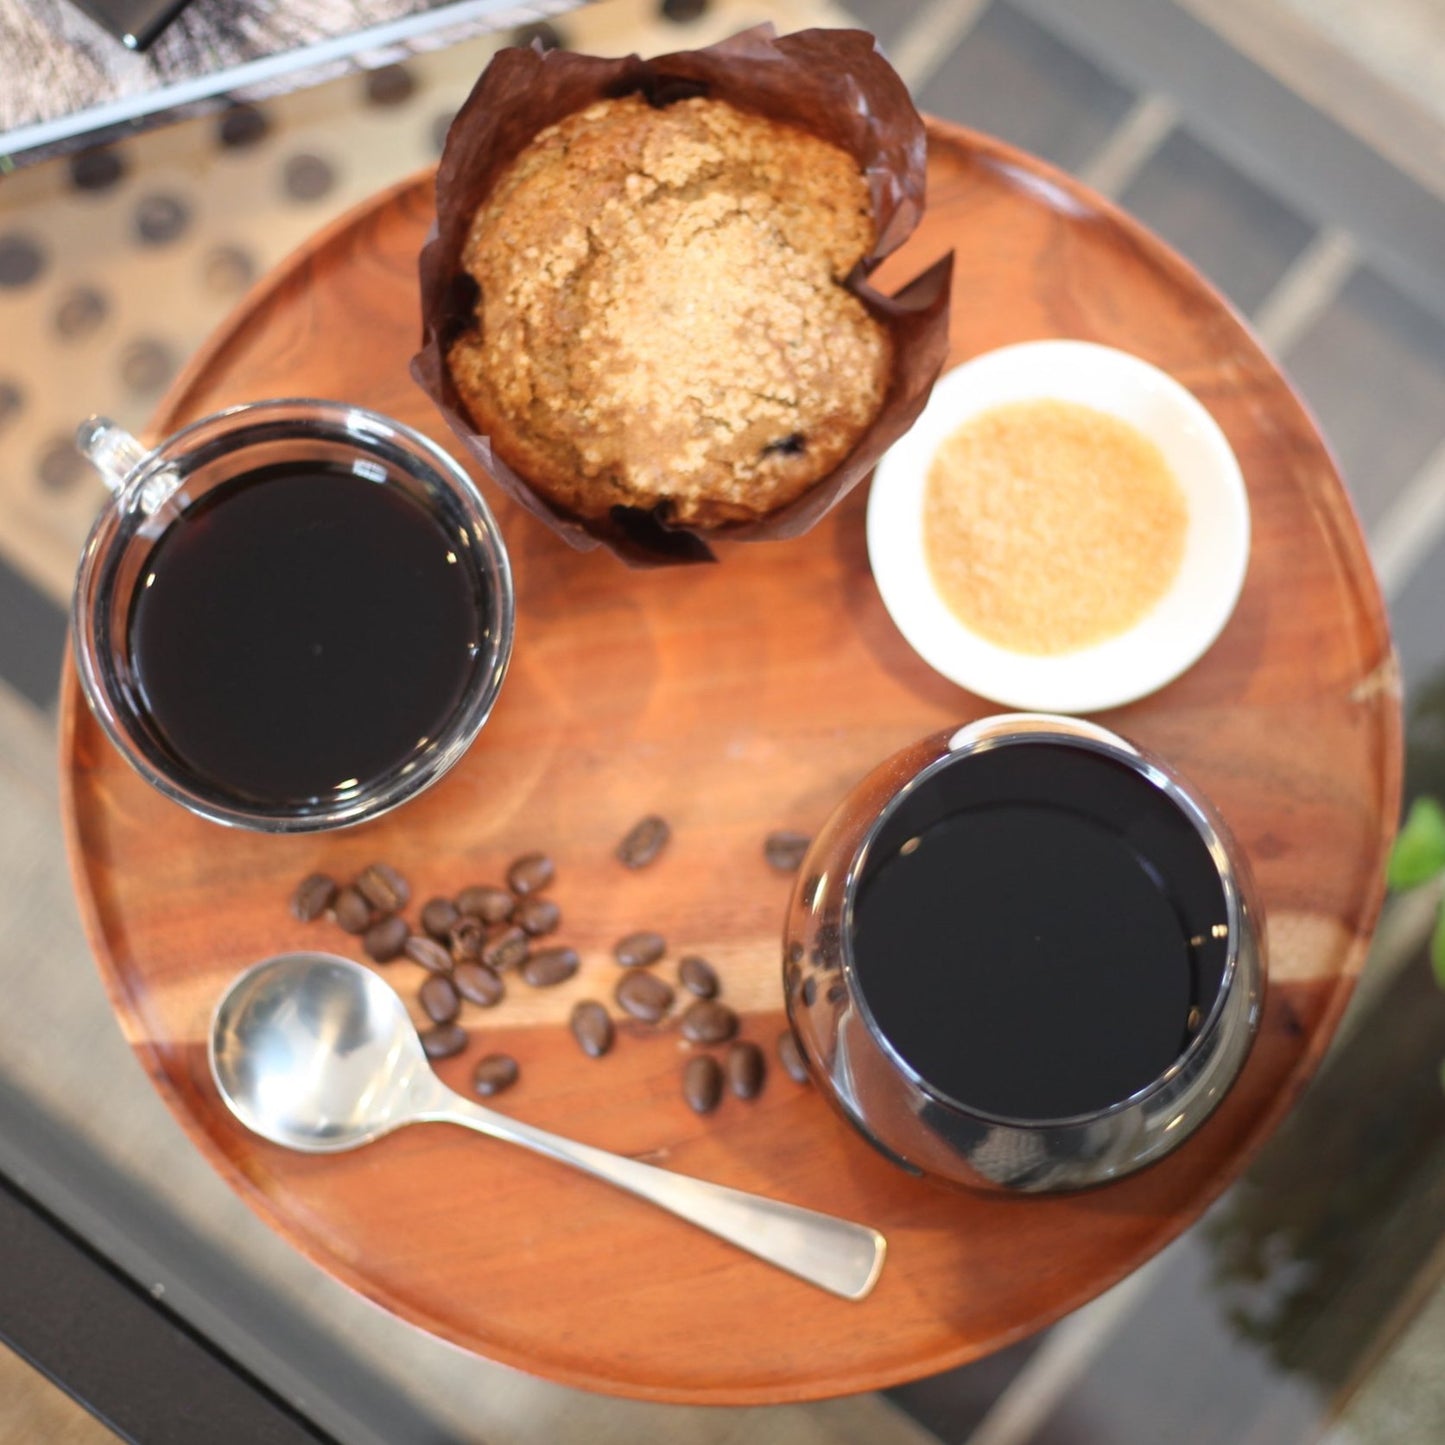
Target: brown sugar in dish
pixel 662 321
pixel 1050 526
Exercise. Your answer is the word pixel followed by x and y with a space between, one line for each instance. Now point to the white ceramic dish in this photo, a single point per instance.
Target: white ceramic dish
pixel 1168 639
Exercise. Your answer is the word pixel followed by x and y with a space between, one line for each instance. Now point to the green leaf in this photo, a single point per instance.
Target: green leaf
pixel 1419 851
pixel 1437 949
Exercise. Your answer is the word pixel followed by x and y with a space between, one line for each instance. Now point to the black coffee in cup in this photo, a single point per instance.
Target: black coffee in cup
pixel 301 629
pixel 1038 931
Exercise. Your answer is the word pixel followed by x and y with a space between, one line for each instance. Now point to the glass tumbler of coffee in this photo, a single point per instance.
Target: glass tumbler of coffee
pixel 1024 956
pixel 292 615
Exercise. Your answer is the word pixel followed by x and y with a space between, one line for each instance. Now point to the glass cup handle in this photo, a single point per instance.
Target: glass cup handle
pixel 110 449
pixel 117 456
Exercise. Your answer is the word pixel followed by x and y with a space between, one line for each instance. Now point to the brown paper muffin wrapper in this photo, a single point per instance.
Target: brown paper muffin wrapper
pixel 833 83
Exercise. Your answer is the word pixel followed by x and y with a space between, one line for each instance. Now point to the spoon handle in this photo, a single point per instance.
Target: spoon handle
pixel 832 1253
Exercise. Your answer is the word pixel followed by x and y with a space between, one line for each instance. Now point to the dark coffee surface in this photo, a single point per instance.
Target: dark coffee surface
pixel 304 628
pixel 1023 960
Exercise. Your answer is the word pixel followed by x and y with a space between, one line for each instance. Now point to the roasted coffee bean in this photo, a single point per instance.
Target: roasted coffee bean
pixel 644 841
pixel 313 896
pixel 810 990
pixel 531 873
pixel 490 904
pixel 644 996
pixel 439 917
pixel 592 1028
pixel 791 1057
pixel 837 992
pixel 537 915
pixel 702 1083
pixel 708 1022
pixel 796 951
pixel 746 1069
pixel 639 949
pixel 441 1041
pixel 352 911
pixel 697 976
pixel 549 966
pixel 506 950
pixel 478 984
pixel 385 940
pixel 384 888
pixel 429 953
pixel 785 850
pixel 468 938
pixel 493 1073
pixel 439 1000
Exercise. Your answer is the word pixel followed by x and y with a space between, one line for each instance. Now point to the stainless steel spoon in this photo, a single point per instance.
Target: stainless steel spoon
pixel 317 1053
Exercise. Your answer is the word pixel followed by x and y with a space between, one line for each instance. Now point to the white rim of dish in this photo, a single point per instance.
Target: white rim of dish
pixel 1181 626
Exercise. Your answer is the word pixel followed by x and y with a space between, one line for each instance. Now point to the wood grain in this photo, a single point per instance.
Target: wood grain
pixel 737 699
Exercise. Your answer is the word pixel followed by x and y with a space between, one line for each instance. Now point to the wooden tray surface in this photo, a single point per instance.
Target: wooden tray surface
pixel 736 699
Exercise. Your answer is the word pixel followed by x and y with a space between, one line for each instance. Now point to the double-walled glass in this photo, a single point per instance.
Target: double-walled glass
pixel 914 1122
pixel 154 487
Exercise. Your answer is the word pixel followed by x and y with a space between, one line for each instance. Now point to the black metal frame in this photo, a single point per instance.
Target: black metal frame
pixel 120 1352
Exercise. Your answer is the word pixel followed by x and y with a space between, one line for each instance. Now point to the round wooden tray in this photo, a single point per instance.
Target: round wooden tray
pixel 737 699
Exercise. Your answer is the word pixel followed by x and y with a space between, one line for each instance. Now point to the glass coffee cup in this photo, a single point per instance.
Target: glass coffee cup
pixel 293 615
pixel 1024 956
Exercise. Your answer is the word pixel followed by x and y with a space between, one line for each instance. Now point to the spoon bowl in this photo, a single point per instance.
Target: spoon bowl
pixel 316 1053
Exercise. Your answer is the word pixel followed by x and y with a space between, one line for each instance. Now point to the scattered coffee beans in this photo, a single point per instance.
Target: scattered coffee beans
pixel 592 1028
pixel 536 915
pixel 429 953
pixel 708 1022
pixel 702 1083
pixel 384 941
pixel 467 941
pixel 353 912
pixel 493 1073
pixel 491 905
pixel 439 1000
pixel 384 888
pixel 313 896
pixel 697 976
pixel 746 1068
pixel 639 949
pixel 644 841
pixel 478 984
pixel 530 874
pixel 439 917
pixel 784 850
pixel 506 950
pixel 644 996
pixel 549 966
pixel 791 1057
pixel 441 1041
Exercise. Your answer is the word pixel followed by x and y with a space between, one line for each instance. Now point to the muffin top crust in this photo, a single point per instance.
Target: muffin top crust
pixel 662 321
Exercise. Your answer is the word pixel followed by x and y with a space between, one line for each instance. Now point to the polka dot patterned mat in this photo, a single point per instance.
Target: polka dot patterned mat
pixel 116 263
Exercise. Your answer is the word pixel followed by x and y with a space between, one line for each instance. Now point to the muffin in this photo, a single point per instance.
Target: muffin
pixel 662 320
